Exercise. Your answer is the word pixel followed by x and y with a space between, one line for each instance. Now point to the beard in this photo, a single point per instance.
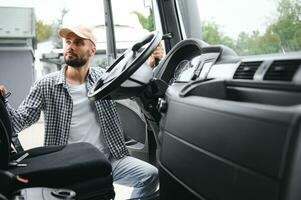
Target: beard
pixel 76 62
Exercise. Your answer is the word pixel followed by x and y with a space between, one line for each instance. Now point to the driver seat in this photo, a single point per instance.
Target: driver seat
pixel 80 167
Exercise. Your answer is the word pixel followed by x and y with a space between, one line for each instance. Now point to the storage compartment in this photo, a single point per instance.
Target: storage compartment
pixel 281 94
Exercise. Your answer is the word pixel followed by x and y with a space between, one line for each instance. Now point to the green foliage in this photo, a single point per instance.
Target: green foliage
pixel 212 35
pixel 281 35
pixel 50 31
pixel 288 24
pixel 257 44
pixel 43 31
pixel 147 22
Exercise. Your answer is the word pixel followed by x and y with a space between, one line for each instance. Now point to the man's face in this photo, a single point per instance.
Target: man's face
pixel 77 50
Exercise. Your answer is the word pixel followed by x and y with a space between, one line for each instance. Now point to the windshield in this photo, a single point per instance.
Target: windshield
pixel 252 27
pixel 249 27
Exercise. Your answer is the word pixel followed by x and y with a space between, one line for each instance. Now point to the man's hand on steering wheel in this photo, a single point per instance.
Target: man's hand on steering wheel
pixel 156 56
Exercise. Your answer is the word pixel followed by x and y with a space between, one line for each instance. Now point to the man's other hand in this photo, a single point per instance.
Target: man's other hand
pixel 3 90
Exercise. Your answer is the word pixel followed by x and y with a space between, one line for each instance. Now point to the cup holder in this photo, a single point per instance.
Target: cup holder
pixel 63 194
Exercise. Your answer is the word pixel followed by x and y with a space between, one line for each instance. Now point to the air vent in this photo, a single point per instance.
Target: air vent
pixel 246 70
pixel 282 70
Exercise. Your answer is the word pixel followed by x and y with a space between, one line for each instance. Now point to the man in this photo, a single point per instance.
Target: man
pixel 70 117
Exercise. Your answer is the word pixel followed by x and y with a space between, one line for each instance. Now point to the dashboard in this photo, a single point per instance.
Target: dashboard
pixel 221 111
pixel 190 60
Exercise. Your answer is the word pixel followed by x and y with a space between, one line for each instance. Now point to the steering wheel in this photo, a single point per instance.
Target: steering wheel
pixel 126 65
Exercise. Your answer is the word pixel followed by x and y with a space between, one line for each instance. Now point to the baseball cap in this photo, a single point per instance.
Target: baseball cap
pixel 81 31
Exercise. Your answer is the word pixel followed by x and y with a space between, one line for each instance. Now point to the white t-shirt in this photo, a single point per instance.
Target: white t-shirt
pixel 85 125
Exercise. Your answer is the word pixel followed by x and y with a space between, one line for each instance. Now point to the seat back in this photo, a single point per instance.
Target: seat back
pixel 5 136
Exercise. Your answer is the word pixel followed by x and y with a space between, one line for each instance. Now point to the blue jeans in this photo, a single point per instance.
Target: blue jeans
pixel 140 175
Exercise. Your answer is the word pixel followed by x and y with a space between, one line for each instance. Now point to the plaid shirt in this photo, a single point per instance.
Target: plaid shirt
pixel 51 95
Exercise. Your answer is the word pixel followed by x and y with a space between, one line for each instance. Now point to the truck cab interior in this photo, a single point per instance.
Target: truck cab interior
pixel 219 117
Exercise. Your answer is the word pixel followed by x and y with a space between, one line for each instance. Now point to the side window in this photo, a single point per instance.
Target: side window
pixel 132 21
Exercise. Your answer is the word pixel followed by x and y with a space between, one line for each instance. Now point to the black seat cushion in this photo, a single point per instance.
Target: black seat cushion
pixel 72 164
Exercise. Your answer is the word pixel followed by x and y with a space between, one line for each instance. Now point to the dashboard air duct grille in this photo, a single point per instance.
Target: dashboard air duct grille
pixel 246 70
pixel 283 70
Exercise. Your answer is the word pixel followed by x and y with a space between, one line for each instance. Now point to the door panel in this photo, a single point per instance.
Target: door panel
pixel 134 128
